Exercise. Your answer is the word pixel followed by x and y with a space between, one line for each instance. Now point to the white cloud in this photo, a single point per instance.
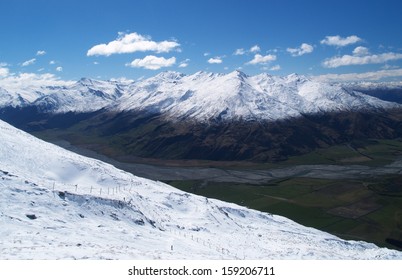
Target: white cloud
pixel 303 49
pixel 130 43
pixel 259 59
pixel 31 80
pixel 360 51
pixel 29 62
pixel 59 69
pixel 40 52
pixel 215 60
pixel 346 60
pixel 387 66
pixel 152 62
pixel 52 62
pixel 207 54
pixel 255 49
pixel 338 41
pixel 239 52
pixel 4 72
pixel 275 68
pixel 368 76
pixel 184 63
pixel 122 80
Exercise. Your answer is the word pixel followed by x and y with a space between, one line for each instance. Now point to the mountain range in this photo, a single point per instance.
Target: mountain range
pixel 208 115
pixel 202 96
pixel 55 204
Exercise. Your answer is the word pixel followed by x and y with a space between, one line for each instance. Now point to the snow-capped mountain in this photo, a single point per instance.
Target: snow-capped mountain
pixel 55 204
pixel 391 91
pixel 85 95
pixel 202 96
pixel 204 115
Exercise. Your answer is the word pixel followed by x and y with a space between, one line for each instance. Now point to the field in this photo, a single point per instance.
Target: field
pixel 368 208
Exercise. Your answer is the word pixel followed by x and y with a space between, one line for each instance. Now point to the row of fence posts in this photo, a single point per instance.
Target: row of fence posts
pixel 112 191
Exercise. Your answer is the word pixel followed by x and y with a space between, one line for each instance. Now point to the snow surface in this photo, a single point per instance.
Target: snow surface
pixel 55 204
pixel 204 96
pixel 201 96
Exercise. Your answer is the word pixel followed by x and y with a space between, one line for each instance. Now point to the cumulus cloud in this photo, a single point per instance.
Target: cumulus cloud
pixel 239 52
pixel 4 71
pixel 303 49
pixel 259 59
pixel 338 41
pixel 130 43
pixel 52 62
pixel 29 62
pixel 32 80
pixel 275 68
pixel 215 60
pixel 360 51
pixel 346 60
pixel 255 49
pixel 40 52
pixel 59 69
pixel 368 76
pixel 152 62
pixel 184 63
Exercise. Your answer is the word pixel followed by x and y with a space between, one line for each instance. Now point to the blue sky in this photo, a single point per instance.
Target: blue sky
pixel 67 40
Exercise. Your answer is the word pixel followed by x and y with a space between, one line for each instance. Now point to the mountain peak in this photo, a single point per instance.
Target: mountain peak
pixel 85 81
pixel 296 77
pixel 238 74
pixel 169 75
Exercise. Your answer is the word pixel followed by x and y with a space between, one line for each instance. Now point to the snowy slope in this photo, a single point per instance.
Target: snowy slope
pixel 11 99
pixel 55 204
pixel 86 95
pixel 203 96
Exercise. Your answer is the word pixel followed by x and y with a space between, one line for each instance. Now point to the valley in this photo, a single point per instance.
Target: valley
pixel 352 191
pixel 324 155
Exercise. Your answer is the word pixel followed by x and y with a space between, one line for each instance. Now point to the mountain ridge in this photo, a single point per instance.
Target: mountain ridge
pixel 202 96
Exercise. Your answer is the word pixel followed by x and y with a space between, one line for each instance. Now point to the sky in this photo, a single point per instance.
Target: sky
pixel 62 40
